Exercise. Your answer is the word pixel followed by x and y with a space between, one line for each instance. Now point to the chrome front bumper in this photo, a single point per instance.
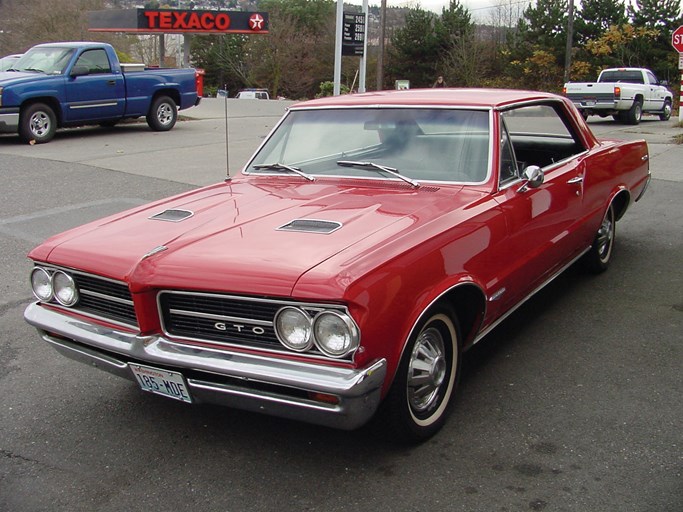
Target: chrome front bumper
pixel 244 381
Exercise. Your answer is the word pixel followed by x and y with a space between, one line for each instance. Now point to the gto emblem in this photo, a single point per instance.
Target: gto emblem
pixel 239 328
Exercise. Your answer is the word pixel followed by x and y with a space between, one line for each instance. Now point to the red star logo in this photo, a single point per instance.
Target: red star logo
pixel 256 22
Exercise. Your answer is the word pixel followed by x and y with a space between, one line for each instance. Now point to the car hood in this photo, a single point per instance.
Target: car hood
pixel 17 77
pixel 251 236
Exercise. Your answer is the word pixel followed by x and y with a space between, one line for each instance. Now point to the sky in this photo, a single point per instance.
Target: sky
pixel 480 9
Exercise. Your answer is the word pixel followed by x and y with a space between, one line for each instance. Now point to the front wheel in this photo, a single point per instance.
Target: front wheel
pixel 418 402
pixel 598 257
pixel 163 114
pixel 37 123
pixel 665 114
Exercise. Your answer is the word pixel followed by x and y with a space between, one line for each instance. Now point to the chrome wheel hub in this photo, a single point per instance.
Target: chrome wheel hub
pixel 605 237
pixel 40 124
pixel 165 113
pixel 426 370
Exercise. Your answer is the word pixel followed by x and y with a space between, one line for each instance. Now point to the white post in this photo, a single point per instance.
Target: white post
pixel 364 58
pixel 680 101
pixel 338 48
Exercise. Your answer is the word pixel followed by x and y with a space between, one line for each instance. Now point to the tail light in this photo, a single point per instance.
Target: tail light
pixel 617 92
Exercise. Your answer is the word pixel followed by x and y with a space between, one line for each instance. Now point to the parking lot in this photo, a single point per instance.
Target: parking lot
pixel 575 403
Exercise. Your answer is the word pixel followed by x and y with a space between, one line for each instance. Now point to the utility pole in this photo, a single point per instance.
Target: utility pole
pixel 382 35
pixel 570 41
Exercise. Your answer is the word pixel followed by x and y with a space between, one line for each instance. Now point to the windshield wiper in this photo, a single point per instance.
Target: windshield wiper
pixel 372 165
pixel 284 167
pixel 34 70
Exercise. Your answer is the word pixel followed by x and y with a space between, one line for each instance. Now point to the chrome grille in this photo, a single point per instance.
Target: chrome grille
pixel 239 320
pixel 104 298
pixel 229 320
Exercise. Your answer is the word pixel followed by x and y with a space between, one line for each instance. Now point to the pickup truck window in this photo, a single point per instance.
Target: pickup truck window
pixel 629 77
pixel 95 61
pixel 51 61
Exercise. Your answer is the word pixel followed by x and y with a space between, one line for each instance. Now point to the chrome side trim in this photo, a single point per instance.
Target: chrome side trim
pixel 495 324
pixel 78 106
pixel 252 382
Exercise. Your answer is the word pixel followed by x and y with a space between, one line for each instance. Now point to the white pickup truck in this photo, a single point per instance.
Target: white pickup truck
pixel 623 93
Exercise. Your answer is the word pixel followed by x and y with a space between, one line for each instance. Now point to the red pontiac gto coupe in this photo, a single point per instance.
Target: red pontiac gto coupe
pixel 368 242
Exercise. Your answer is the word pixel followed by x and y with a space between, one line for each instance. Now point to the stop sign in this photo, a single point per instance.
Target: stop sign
pixel 677 39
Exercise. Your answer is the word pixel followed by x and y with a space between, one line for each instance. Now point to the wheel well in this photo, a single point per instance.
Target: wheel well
pixel 469 303
pixel 638 98
pixel 620 203
pixel 171 93
pixel 50 102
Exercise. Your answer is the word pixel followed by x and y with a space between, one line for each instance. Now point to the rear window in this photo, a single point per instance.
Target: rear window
pixel 631 77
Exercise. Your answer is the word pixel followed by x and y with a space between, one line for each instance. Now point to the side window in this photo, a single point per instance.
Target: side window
pixel 541 134
pixel 96 61
pixel 652 78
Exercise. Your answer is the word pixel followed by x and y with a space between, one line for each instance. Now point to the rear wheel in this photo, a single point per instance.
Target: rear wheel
pixel 163 114
pixel 598 257
pixel 37 123
pixel 665 115
pixel 635 114
pixel 418 402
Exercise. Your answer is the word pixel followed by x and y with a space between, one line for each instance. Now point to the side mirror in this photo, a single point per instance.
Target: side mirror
pixel 80 70
pixel 664 82
pixel 533 178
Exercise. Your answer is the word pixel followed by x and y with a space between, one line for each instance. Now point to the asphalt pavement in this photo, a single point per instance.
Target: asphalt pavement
pixel 575 403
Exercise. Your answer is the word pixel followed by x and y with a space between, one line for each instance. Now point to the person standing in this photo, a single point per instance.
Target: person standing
pixel 439 82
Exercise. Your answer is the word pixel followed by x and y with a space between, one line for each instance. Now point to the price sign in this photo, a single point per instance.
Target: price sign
pixel 353 36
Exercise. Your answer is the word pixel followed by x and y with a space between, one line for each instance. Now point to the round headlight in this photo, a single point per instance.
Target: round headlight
pixel 41 284
pixel 335 333
pixel 64 288
pixel 293 329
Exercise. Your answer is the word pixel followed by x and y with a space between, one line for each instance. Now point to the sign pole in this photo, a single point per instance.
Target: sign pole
pixel 338 48
pixel 363 59
pixel 677 43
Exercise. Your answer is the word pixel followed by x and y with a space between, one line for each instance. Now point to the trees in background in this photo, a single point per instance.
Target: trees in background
pixel 522 46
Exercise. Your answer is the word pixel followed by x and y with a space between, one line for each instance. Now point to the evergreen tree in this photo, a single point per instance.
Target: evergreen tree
pixel 413 53
pixel 663 16
pixel 595 17
pixel 458 50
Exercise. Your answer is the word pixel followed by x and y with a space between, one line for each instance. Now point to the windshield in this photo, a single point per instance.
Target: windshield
pixel 48 60
pixel 449 145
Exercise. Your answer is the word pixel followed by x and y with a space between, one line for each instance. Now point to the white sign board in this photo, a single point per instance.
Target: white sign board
pixel 680 61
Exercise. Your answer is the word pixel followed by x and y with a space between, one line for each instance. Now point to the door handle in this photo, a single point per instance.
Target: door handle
pixel 111 82
pixel 578 179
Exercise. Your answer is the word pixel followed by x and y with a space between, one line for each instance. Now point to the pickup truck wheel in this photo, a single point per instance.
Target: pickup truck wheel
pixel 418 402
pixel 665 115
pixel 163 114
pixel 38 123
pixel 598 257
pixel 635 114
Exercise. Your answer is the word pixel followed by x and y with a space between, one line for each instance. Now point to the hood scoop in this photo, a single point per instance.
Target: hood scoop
pixel 172 215
pixel 323 227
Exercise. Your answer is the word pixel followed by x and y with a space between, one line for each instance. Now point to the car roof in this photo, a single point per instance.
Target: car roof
pixel 72 44
pixel 481 98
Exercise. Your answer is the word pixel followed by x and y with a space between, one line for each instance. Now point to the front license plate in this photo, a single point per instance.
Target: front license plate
pixel 161 382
